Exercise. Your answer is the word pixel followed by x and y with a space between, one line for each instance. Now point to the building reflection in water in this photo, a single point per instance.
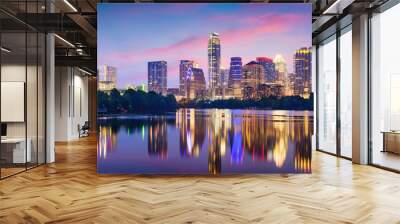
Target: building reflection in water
pixel 262 136
pixel 259 137
pixel 192 131
pixel 157 143
pixel 106 142
pixel 302 158
pixel 219 130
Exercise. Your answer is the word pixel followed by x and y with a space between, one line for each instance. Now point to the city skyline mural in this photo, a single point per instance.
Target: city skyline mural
pixel 205 88
pixel 133 35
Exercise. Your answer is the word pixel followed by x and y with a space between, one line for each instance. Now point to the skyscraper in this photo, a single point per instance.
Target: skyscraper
pixel 281 75
pixel 269 68
pixel 280 68
pixel 107 78
pixel 157 76
pixel 214 62
pixel 184 67
pixel 253 78
pixel 302 68
pixel 235 76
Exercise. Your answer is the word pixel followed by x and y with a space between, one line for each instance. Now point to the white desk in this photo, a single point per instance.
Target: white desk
pixel 19 153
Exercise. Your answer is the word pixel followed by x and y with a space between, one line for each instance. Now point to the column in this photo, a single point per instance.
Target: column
pixel 360 90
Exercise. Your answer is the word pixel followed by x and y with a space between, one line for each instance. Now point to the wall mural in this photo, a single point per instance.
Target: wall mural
pixel 204 88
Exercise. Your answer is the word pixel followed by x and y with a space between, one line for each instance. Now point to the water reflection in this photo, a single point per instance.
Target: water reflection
pixel 207 141
pixel 157 145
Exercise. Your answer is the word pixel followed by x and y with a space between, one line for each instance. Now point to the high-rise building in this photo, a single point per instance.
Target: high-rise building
pixel 184 74
pixel 302 69
pixel 157 77
pixel 280 68
pixel 235 76
pixel 269 68
pixel 253 77
pixel 224 78
pixel 197 84
pixel 214 62
pixel 295 85
pixel 281 74
pixel 223 83
pixel 107 79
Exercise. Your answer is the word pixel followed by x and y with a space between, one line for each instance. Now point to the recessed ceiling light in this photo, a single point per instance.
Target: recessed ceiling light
pixel 64 40
pixel 70 5
pixel 84 71
pixel 5 50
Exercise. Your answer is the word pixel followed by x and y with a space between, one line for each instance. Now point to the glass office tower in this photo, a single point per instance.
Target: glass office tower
pixel 214 63
pixel 157 77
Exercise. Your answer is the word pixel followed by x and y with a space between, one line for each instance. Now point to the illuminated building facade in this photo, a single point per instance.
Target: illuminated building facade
pixel 280 68
pixel 253 77
pixel 184 67
pixel 157 77
pixel 223 83
pixel 269 68
pixel 235 76
pixel 196 84
pixel 302 68
pixel 270 89
pixel 214 62
pixel 107 78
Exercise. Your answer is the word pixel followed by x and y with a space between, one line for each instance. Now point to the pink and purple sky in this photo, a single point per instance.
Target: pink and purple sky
pixel 130 35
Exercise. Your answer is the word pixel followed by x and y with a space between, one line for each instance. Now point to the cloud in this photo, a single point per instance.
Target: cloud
pixel 252 28
pixel 240 35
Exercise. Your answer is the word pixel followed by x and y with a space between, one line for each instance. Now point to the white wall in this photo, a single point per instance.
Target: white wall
pixel 33 126
pixel 71 102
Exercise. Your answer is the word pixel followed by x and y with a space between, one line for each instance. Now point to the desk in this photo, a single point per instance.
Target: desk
pixel 19 155
pixel 391 141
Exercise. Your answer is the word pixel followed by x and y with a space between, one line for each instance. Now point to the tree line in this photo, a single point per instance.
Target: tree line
pixel 272 103
pixel 139 102
pixel 134 102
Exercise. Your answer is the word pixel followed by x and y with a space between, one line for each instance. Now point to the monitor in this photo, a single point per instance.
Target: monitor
pixel 3 129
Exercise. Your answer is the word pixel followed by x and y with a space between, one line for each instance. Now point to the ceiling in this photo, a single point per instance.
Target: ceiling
pixel 75 21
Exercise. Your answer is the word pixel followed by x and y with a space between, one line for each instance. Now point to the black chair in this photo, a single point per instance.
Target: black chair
pixel 84 130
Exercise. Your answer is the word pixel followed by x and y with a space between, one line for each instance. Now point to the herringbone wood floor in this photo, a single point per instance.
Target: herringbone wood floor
pixel 70 191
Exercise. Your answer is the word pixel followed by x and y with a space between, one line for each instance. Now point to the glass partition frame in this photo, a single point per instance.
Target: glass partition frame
pixel 30 56
pixel 337 149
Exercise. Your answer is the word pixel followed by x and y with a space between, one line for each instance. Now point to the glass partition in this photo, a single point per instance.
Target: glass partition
pixel 22 94
pixel 13 114
pixel 326 136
